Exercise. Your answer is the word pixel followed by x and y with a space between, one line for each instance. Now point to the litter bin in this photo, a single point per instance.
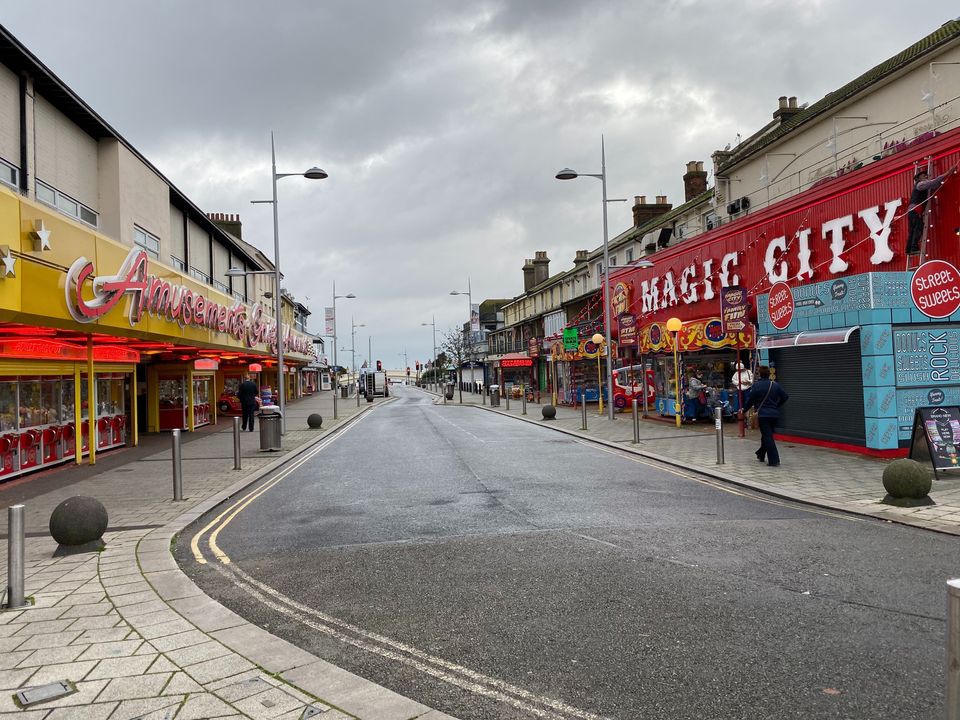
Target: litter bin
pixel 494 396
pixel 270 426
pixel 449 391
pixel 344 392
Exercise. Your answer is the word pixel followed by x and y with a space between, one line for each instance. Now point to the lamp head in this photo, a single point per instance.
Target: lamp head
pixel 644 264
pixel 597 339
pixel 455 292
pixel 567 174
pixel 351 296
pixel 674 324
pixel 315 173
pixel 235 272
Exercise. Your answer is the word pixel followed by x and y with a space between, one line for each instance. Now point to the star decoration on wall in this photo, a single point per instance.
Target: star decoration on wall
pixel 41 234
pixel 8 262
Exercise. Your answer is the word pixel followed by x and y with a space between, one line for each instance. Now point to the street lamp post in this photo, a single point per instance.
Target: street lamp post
pixel 433 363
pixel 313 173
pixel 674 325
pixel 336 387
pixel 568 174
pixel 353 354
pixel 469 350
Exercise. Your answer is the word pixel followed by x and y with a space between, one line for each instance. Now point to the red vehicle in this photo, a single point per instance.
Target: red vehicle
pixel 230 404
pixel 624 391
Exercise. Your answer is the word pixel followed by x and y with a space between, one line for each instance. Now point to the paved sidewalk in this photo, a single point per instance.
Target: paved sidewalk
pixel 134 634
pixel 814 475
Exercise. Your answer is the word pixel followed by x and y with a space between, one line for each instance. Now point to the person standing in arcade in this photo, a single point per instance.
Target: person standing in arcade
pixel 767 396
pixel 247 392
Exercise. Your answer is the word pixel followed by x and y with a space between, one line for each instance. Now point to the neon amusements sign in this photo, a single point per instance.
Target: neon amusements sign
pixel 162 299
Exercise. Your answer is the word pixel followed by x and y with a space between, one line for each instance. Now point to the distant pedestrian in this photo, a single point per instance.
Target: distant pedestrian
pixel 247 392
pixel 766 396
pixel 922 185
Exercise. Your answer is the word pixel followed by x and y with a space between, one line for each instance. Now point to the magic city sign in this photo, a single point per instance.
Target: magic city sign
pixel 165 300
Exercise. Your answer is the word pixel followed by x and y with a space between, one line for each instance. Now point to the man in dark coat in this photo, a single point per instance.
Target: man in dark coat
pixel 766 396
pixel 247 392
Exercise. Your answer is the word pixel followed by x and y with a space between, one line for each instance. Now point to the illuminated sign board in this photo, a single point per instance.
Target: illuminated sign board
pixel 174 303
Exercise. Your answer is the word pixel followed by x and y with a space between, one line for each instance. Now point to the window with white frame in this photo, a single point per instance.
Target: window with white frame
pixel 9 174
pixel 66 204
pixel 613 261
pixel 177 263
pixel 148 241
pixel 199 275
pixel 629 255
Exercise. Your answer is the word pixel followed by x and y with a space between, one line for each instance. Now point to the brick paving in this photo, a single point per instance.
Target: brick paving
pixel 131 631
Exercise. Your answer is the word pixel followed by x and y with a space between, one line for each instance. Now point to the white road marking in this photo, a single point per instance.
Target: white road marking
pixel 436 667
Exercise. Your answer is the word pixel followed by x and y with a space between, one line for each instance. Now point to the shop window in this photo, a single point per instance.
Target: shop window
pixel 8 406
pixel 39 403
pixel 148 241
pixel 66 204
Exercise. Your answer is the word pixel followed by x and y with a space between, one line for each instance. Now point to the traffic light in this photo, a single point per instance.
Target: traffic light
pixel 418 366
pixel 408 372
pixel 379 366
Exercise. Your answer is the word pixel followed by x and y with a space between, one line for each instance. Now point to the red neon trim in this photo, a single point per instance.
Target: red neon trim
pixel 846 447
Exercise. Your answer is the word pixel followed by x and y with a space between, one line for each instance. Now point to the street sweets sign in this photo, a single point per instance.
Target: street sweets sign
pixel 174 303
pixel 935 289
pixel 780 305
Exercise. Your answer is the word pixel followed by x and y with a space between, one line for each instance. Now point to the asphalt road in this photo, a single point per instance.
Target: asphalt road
pixel 495 569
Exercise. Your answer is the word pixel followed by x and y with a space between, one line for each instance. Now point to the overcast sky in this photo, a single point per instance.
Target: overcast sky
pixel 442 123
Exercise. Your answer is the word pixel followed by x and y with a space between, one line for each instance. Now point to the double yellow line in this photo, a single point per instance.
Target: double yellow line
pixel 223 519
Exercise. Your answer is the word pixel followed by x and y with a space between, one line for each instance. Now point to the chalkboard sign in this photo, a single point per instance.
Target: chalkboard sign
pixel 936 437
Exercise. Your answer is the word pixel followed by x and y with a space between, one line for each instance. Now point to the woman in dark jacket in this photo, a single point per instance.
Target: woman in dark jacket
pixel 766 396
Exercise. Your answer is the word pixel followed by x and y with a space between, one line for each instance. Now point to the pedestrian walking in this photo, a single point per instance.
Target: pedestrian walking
pixel 247 392
pixel 766 396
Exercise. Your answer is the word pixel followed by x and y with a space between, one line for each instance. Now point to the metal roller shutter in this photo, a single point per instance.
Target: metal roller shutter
pixel 825 385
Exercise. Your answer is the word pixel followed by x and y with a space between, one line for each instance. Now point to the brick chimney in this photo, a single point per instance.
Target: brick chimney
pixel 581 258
pixel 644 212
pixel 228 223
pixel 541 267
pixel 528 275
pixel 787 109
pixel 694 180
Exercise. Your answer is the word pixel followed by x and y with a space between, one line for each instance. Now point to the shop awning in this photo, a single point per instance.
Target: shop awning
pixel 516 360
pixel 837 336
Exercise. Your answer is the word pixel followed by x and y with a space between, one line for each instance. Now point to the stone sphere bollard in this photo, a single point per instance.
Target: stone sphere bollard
pixel 78 520
pixel 549 412
pixel 315 421
pixel 907 483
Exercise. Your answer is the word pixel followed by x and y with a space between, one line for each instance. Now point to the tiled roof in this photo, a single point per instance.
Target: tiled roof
pixel 944 35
